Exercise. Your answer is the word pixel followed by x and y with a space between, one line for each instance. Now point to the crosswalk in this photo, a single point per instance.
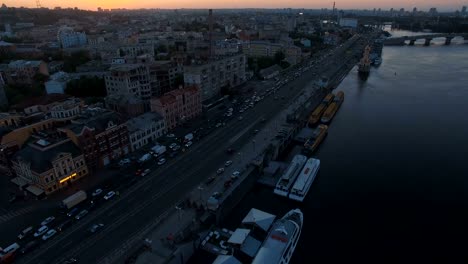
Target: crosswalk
pixel 6 215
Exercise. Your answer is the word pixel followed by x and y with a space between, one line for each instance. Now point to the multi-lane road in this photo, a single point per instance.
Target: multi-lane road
pixel 142 203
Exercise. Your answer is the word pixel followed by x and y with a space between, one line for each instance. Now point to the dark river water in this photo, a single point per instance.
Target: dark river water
pixel 393 183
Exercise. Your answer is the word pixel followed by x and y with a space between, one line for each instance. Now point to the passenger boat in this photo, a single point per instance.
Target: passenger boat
pixel 282 239
pixel 287 179
pixel 312 143
pixel 304 181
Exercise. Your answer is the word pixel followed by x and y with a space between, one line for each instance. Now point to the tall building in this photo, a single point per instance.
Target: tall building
pixel 210 77
pixel 68 38
pixel 129 80
pixel 178 106
pixel 463 11
pixel 22 72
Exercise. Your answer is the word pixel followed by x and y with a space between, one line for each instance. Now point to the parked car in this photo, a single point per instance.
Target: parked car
pixel 109 195
pixel 25 232
pixel 96 227
pixel 138 172
pixel 220 170
pixel 48 220
pixel 70 261
pixel 210 180
pixel 228 163
pixel 97 192
pixel 235 175
pixel 171 146
pixel 124 162
pixel 188 144
pixel 145 172
pixel 161 161
pixel 62 226
pixel 49 234
pixel 170 135
pixel 82 214
pixel 73 212
pixel 30 246
pixel 42 230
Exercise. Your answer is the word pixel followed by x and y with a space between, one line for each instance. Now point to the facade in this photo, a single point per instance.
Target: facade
pixel 178 106
pixel 261 48
pixel 165 74
pixel 212 76
pixel 129 80
pixel 133 51
pixel 331 39
pixel 101 135
pixel 47 165
pixel 68 38
pixel 57 83
pixel 126 106
pixel 144 129
pixel 66 110
pixel 22 72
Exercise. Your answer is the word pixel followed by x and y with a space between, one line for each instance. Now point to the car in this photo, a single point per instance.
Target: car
pixel 42 230
pixel 255 131
pixel 241 110
pixel 96 227
pixel 109 195
pixel 138 172
pixel 210 180
pixel 235 175
pixel 173 145
pixel 73 212
pixel 228 183
pixel 161 161
pixel 240 118
pixel 82 214
pixel 47 220
pixel 220 170
pixel 145 172
pixel 124 162
pixel 228 163
pixel 177 147
pixel 70 261
pixel 97 192
pixel 30 246
pixel 188 144
pixel 170 135
pixel 62 226
pixel 218 125
pixel 229 150
pixel 49 234
pixel 25 232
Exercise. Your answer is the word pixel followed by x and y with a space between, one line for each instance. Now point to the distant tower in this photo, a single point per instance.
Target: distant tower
pixel 333 12
pixel 38 4
pixel 210 25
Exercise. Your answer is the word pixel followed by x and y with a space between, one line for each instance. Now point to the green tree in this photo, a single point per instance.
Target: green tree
pixel 87 87
pixel 279 57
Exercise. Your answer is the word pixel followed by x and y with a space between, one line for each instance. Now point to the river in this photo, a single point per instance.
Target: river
pixel 393 183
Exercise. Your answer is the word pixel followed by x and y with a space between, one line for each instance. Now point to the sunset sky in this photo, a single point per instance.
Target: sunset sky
pixel 341 4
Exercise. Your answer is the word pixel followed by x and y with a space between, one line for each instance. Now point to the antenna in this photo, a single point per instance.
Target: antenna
pixel 38 4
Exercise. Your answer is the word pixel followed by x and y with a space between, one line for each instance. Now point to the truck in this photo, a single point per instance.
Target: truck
pixel 74 199
pixel 158 150
pixel 188 137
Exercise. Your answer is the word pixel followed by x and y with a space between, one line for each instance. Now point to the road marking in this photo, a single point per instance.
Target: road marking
pixel 240 134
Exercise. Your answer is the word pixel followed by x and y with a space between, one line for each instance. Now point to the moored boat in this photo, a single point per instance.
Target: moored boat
pixel 312 143
pixel 304 181
pixel 287 179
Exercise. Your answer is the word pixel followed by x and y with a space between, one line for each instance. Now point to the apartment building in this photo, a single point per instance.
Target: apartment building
pixel 22 72
pixel 145 129
pixel 129 79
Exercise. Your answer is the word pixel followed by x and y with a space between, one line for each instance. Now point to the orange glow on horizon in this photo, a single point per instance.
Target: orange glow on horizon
pixel 313 4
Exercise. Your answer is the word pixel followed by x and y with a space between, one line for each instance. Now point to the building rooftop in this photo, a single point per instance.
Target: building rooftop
pixel 41 100
pixel 142 121
pixel 100 120
pixel 40 152
pixel 24 63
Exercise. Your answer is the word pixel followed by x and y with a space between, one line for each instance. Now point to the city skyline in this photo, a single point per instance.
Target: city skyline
pixel 448 5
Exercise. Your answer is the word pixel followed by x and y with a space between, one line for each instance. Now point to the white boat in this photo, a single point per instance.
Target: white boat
pixel 282 239
pixel 304 181
pixel 287 179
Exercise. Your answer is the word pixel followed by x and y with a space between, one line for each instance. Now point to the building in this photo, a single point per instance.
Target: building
pixel 178 106
pixel 331 39
pixel 101 135
pixel 22 72
pixel 165 73
pixel 270 72
pixel 68 38
pixel 126 106
pixel 57 83
pixel 41 104
pixel 145 129
pixel 261 48
pixel 227 72
pixel 133 51
pixel 46 165
pixel 3 97
pixel 349 23
pixel 67 110
pixel 129 80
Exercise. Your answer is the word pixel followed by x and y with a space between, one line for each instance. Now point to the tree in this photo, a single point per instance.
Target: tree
pixel 279 57
pixel 87 87
pixel 76 59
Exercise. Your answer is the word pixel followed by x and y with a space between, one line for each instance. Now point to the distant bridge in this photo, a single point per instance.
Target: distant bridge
pixel 428 38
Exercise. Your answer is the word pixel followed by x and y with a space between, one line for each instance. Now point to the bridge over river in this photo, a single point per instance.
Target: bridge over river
pixel 428 38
